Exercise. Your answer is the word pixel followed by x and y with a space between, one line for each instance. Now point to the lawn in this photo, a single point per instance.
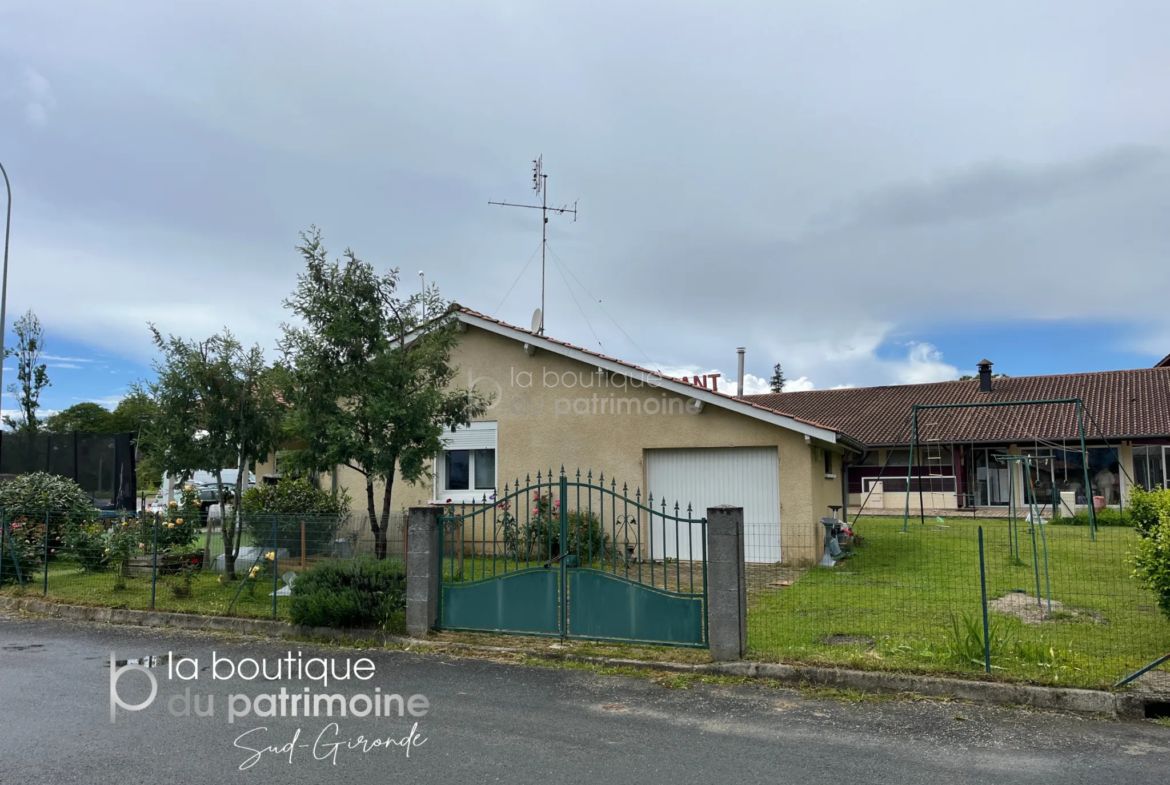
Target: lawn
pixel 69 585
pixel 906 601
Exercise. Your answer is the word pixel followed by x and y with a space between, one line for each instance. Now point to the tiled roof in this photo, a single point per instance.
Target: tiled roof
pixel 1118 404
pixel 1164 362
pixel 762 406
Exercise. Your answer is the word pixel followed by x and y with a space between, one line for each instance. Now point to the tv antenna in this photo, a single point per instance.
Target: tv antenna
pixel 540 186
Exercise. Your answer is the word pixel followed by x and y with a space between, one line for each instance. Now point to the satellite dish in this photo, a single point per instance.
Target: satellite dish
pixel 537 320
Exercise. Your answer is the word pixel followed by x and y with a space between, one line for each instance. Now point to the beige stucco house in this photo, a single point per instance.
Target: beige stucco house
pixel 554 405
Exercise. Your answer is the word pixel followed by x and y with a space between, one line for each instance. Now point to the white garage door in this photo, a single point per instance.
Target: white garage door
pixel 747 477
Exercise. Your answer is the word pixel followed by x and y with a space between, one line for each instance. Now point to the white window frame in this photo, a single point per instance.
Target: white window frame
pixel 476 436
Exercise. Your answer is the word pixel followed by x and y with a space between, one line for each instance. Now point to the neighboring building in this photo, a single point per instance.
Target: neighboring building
pixel 560 405
pixel 1126 424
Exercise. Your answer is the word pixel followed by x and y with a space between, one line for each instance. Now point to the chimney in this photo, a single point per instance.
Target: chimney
pixel 985 376
pixel 739 378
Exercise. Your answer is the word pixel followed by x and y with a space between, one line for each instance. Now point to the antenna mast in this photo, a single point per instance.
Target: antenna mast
pixel 540 186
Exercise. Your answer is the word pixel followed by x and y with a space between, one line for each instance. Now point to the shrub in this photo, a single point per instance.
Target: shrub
pixel 358 593
pixel 261 573
pixel 1152 562
pixel 86 542
pixel 1147 508
pixel 288 502
pixel 27 540
pixel 1143 511
pixel 180 584
pixel 125 540
pixel 41 492
pixel 174 534
pixel 541 535
pixel 1108 517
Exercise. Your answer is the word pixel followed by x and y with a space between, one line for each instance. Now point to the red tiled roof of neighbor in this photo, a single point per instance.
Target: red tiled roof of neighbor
pixel 753 403
pixel 1118 404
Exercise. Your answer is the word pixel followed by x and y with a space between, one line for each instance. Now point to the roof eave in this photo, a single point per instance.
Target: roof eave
pixel 663 382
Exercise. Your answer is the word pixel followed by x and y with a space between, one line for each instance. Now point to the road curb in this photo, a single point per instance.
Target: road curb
pixel 1113 704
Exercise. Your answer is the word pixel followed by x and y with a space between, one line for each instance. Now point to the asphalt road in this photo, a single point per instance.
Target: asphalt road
pixel 494 722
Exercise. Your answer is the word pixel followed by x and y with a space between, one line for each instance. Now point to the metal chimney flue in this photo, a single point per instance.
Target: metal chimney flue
pixel 739 376
pixel 985 376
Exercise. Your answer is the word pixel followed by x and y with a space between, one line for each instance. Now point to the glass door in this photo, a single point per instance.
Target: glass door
pixel 1149 465
pixel 991 478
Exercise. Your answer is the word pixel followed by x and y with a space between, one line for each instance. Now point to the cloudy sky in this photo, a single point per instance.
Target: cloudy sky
pixel 868 191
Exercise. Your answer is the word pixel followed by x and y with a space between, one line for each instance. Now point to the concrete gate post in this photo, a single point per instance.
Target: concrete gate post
pixel 726 583
pixel 423 565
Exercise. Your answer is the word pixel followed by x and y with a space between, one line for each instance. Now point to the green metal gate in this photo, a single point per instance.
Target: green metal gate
pixel 572 558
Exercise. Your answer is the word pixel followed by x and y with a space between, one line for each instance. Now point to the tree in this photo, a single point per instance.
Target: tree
pixel 369 379
pixel 134 414
pixel 216 406
pixel 85 417
pixel 31 375
pixel 777 380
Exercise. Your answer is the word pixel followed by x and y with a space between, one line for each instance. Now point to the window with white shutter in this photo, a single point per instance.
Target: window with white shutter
pixel 466 470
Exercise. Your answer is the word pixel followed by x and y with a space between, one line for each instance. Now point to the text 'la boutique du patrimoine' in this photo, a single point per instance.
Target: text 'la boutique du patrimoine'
pixel 303 703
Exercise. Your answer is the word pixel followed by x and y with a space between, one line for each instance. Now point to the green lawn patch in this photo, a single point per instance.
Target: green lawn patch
pixel 71 586
pixel 904 601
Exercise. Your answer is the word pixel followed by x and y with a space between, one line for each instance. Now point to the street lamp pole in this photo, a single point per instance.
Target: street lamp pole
pixel 4 285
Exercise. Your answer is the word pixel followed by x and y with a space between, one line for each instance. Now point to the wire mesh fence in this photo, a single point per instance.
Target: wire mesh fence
pixel 243 567
pixel 1060 607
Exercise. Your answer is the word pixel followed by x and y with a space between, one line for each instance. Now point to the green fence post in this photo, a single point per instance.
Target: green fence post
pixel 46 564
pixel 983 589
pixel 1035 557
pixel 564 552
pixel 1043 540
pixel 275 560
pixel 11 548
pixel 910 468
pixel 1012 513
pixel 154 565
pixel 1085 466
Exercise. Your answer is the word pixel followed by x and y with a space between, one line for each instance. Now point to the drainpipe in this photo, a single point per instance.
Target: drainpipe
pixel 845 484
pixel 739 377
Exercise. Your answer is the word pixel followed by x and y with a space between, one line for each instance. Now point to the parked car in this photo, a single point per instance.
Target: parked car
pixel 203 485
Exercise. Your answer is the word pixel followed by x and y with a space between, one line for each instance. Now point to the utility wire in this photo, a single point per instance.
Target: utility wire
pixel 518 277
pixel 607 313
pixel 561 270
